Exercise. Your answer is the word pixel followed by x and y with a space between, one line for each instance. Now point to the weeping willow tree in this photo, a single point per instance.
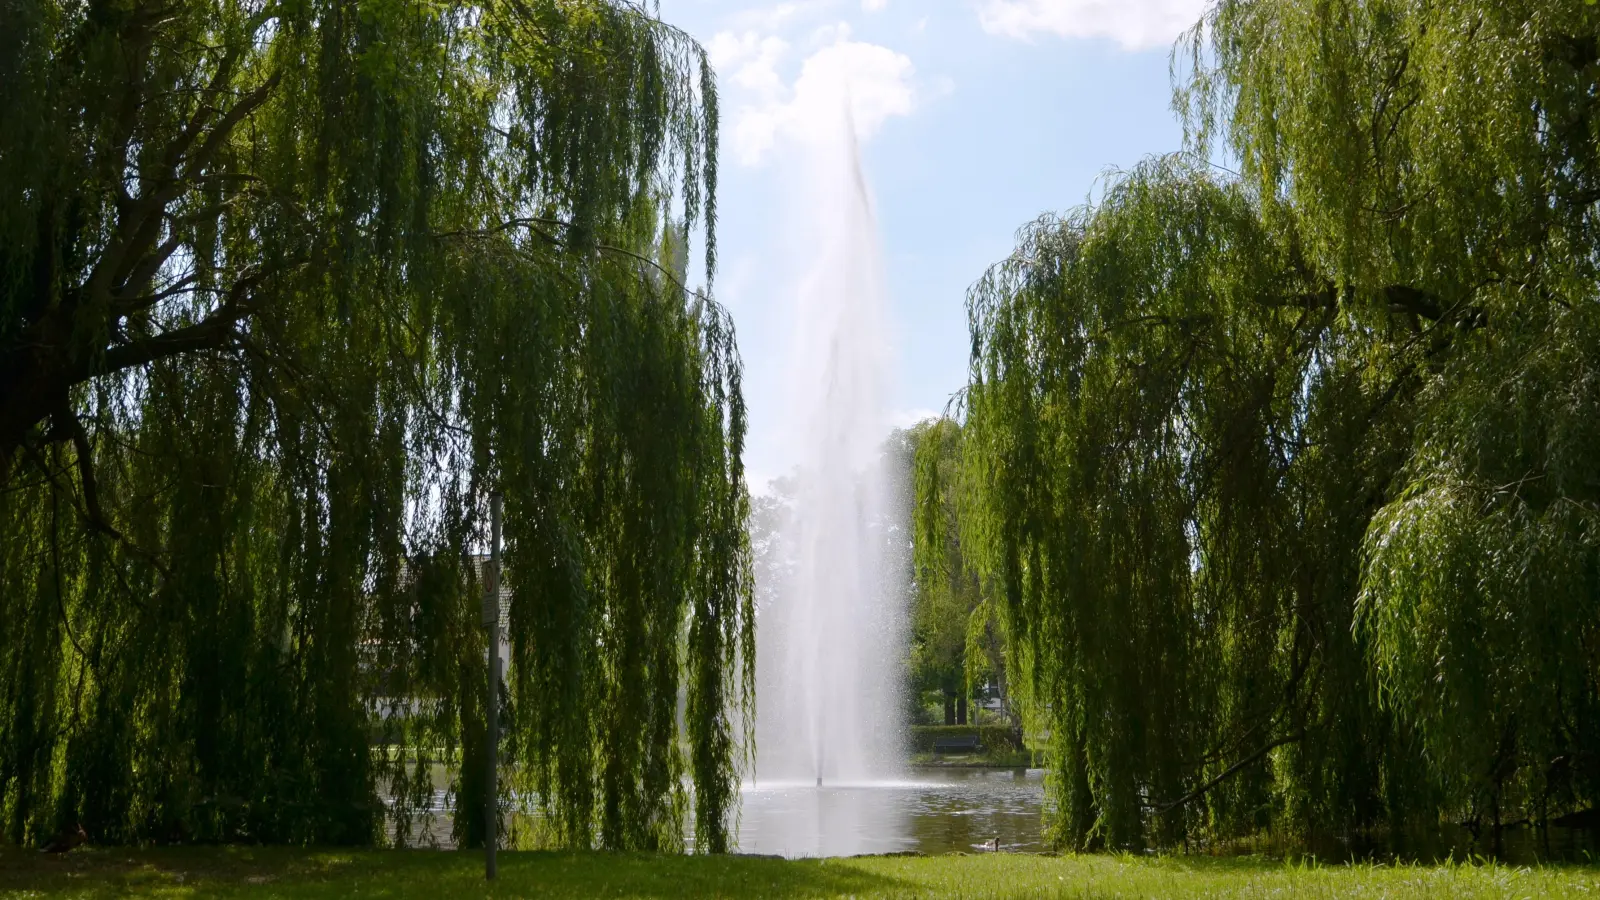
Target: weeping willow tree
pixel 1288 476
pixel 286 291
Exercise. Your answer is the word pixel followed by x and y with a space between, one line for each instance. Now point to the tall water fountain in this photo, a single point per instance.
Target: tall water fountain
pixel 828 778
pixel 830 642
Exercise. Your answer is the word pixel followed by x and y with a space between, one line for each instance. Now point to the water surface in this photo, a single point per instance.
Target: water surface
pixel 928 811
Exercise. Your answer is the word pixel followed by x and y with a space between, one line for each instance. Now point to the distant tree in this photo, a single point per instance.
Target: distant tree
pixel 771 524
pixel 956 643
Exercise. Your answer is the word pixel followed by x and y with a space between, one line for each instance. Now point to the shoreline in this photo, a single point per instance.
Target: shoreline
pixel 964 764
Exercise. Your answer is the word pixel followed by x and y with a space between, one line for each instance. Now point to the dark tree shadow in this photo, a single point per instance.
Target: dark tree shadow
pixel 279 872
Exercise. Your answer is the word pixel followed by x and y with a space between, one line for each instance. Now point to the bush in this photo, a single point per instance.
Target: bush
pixel 918 712
pixel 996 740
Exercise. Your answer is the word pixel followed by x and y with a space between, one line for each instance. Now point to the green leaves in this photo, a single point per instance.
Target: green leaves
pixel 348 267
pixel 1286 481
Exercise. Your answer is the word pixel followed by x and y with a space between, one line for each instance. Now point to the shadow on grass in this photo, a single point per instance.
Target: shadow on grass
pixel 279 872
pixel 1255 864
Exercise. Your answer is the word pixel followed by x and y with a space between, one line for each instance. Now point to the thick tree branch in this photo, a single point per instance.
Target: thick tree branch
pixel 1411 300
pixel 133 304
pixel 139 218
pixel 212 333
pixel 1400 297
pixel 131 284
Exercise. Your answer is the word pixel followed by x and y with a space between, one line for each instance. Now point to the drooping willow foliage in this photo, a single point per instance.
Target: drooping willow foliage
pixel 286 291
pixel 1290 478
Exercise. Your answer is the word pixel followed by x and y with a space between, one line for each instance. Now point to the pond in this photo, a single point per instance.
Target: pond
pixel 927 811
pixel 947 810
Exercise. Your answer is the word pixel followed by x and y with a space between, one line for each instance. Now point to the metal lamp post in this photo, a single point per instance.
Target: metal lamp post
pixel 491 622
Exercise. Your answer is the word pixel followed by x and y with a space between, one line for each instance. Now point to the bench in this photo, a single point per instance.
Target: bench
pixel 965 743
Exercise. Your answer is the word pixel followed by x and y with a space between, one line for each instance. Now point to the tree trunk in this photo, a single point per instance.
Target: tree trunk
pixel 1499 843
pixel 961 710
pixel 949 709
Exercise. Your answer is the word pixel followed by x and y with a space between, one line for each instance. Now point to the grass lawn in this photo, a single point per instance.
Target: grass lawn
pixel 273 872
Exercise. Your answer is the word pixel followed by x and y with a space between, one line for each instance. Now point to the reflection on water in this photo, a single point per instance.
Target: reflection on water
pixel 949 810
pixel 929 811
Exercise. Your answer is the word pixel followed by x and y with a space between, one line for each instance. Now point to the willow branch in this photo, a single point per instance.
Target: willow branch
pixel 1231 771
pixel 100 525
pixel 55 565
pixel 533 223
pixel 89 485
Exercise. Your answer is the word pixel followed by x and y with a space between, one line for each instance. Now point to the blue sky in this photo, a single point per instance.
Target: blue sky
pixel 976 116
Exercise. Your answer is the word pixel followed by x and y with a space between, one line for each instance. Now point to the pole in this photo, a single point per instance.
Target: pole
pixel 491 622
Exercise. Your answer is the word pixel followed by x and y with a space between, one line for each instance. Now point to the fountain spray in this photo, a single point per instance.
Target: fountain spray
pixel 831 646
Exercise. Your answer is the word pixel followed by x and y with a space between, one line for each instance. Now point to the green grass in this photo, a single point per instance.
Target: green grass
pixel 273 872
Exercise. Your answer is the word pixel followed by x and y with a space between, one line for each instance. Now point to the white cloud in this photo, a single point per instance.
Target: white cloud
pixel 874 5
pixel 779 15
pixel 832 33
pixel 749 60
pixel 1133 24
pixel 877 82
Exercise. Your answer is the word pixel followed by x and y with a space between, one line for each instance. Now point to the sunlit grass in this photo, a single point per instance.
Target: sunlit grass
pixel 275 872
